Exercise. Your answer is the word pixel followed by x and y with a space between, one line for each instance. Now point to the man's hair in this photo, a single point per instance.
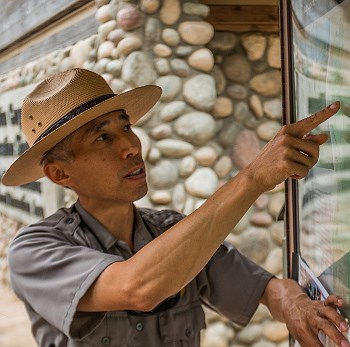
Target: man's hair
pixel 62 151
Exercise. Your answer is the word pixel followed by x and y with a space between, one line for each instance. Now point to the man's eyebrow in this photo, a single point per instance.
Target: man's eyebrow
pixel 95 128
pixel 97 125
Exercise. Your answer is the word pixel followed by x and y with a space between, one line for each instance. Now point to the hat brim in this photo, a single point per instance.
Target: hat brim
pixel 27 168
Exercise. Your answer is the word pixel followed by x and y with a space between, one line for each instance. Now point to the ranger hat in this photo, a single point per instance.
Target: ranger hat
pixel 60 105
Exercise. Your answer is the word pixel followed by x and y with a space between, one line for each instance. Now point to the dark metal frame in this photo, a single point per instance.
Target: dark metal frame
pixel 291 185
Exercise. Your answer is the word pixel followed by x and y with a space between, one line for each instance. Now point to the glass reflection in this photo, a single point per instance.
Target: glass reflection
pixel 321 58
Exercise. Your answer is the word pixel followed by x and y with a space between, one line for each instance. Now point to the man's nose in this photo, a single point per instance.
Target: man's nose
pixel 131 147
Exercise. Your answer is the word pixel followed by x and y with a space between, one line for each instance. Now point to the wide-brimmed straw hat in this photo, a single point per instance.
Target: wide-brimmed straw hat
pixel 60 105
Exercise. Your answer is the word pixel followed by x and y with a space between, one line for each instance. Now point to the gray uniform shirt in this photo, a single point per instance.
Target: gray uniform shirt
pixel 55 261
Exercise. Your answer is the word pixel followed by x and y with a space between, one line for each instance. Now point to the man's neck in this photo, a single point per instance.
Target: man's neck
pixel 118 220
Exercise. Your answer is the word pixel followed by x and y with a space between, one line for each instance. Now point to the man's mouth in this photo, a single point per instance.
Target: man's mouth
pixel 138 171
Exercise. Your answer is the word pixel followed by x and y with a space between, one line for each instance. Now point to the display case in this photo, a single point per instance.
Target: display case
pixel 316 72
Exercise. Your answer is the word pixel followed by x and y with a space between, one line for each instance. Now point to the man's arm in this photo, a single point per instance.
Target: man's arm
pixel 288 303
pixel 172 260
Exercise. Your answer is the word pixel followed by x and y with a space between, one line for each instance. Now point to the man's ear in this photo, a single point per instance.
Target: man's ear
pixel 56 173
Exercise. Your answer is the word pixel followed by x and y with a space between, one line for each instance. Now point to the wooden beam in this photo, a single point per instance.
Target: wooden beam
pixel 241 2
pixel 244 18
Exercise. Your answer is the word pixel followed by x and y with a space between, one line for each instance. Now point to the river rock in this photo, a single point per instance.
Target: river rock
pixel 128 45
pixel 187 166
pixel 205 156
pixel 275 331
pixel 161 197
pixel 277 232
pixel 262 219
pixel 104 14
pixel 242 111
pixel 118 85
pixel 172 110
pixel 180 67
pixel 273 109
pixel 171 86
pixel 195 127
pixel 163 175
pixel 254 244
pixel 202 60
pixel 116 35
pixel 193 9
pixel 196 33
pixel 114 67
pixel 220 80
pixel 170 37
pixel 218 334
pixel 223 166
pixel 170 11
pixel 105 28
pixel 80 53
pixel 237 91
pixel 249 334
pixel 145 140
pixel 138 69
pixel 262 313
pixel 154 155
pixel 105 49
pixel 246 147
pixel 267 83
pixel 162 66
pixel 274 52
pixel 100 66
pixel 267 130
pixel 129 18
pixel 183 51
pixel 179 197
pixel 223 41
pixel 273 262
pixel 150 6
pixel 237 68
pixel 223 107
pixel 228 134
pixel 276 203
pixel 153 29
pixel 161 131
pixel 256 105
pixel 261 202
pixel 202 183
pixel 200 92
pixel 254 45
pixel 174 148
pixel 162 50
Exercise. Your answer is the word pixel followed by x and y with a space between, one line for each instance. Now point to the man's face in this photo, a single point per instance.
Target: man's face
pixel 107 165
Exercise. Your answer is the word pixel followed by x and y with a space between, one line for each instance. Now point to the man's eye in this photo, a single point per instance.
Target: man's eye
pixel 103 137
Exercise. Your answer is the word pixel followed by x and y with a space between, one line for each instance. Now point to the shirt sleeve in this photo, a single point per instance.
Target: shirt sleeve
pixel 232 285
pixel 51 272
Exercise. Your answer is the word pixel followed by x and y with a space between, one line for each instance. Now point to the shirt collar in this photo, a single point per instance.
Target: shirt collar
pixel 141 233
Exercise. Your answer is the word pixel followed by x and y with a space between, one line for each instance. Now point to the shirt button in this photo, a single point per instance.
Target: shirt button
pixel 69 220
pixel 139 326
pixel 106 340
pixel 188 332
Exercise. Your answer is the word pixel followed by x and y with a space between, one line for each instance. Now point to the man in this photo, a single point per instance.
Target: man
pixel 105 273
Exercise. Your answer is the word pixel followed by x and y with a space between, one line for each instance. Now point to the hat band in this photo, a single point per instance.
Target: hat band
pixel 72 114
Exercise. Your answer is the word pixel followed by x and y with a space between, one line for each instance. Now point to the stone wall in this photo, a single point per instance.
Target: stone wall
pixel 220 105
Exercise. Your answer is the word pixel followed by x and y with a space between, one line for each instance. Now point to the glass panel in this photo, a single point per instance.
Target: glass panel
pixel 321 59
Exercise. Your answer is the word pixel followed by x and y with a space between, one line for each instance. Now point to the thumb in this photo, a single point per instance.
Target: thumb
pixel 320 139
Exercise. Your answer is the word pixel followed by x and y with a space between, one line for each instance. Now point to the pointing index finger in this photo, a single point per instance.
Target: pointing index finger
pixel 304 126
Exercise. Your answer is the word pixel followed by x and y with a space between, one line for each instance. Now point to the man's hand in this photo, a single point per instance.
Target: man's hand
pixel 291 153
pixel 305 318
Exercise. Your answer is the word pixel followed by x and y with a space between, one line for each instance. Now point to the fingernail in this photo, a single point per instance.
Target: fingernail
pixel 344 343
pixel 333 106
pixel 343 326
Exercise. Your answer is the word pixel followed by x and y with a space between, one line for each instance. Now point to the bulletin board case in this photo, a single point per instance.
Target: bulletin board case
pixel 315 37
